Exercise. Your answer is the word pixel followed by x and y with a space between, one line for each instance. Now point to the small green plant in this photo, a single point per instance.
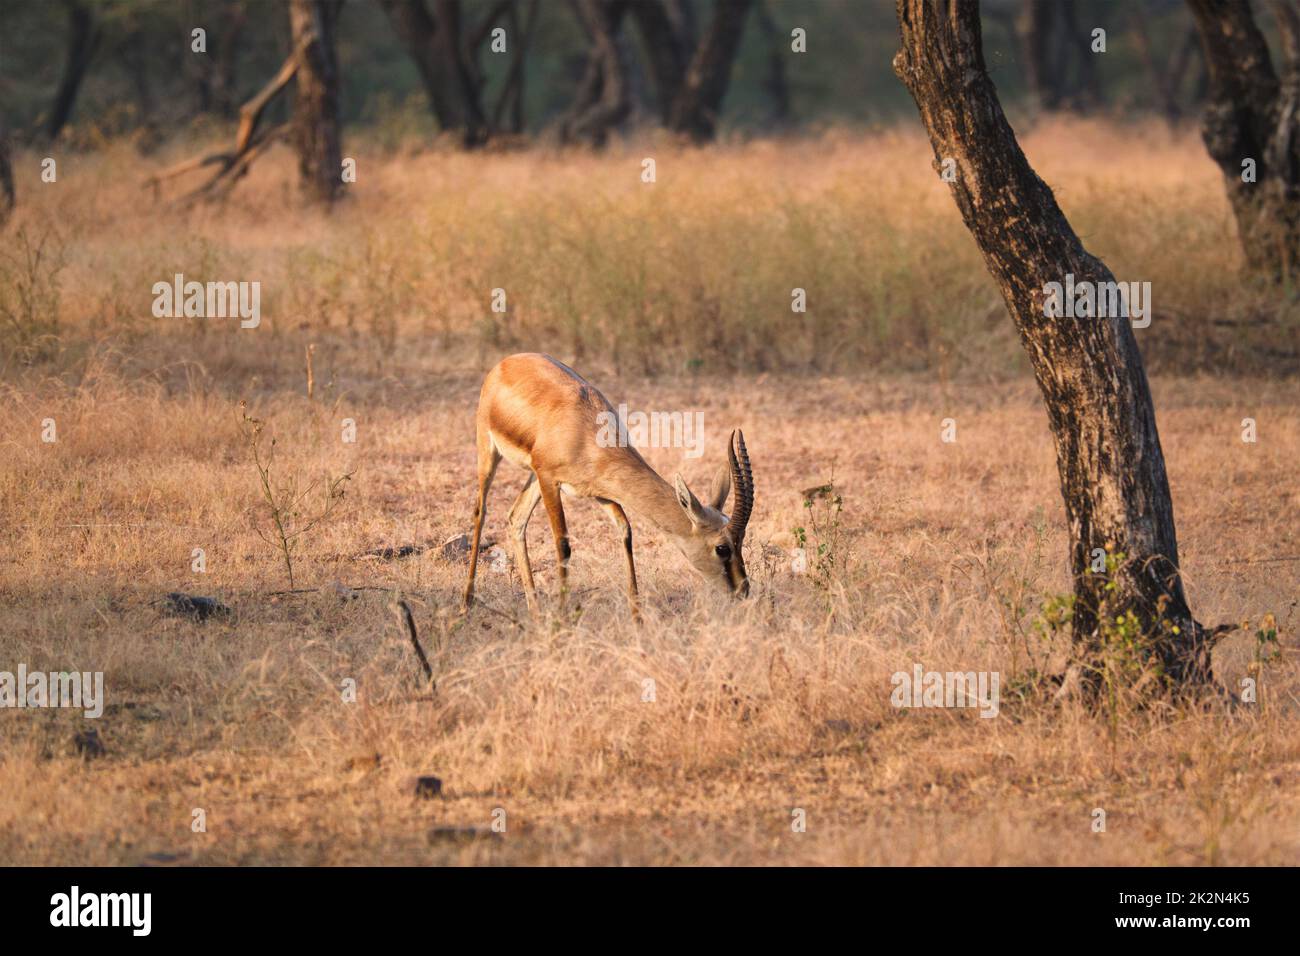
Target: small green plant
pixel 287 503
pixel 820 542
pixel 1266 650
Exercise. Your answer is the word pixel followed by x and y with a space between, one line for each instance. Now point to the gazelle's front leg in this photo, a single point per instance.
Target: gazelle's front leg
pixel 550 492
pixel 619 517
pixel 488 459
pixel 520 513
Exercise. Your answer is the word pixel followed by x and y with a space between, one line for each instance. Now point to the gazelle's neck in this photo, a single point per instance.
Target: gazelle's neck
pixel 639 488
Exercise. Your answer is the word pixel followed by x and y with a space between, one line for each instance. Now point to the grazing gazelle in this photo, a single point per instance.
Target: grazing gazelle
pixel 541 414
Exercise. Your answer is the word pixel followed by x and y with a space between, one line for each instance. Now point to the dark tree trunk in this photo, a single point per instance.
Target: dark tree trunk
pixel 7 197
pixel 602 103
pixel 315 130
pixel 450 81
pixel 133 53
pixel 224 97
pixel 1251 114
pixel 695 110
pixel 1035 25
pixel 665 49
pixel 1089 370
pixel 1165 82
pixel 511 97
pixel 1085 92
pixel 774 82
pixel 83 38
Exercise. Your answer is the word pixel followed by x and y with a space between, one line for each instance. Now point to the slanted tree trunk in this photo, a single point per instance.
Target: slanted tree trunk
pixel 434 42
pixel 1252 115
pixel 1089 371
pixel 603 102
pixel 315 124
pixel 699 101
pixel 83 39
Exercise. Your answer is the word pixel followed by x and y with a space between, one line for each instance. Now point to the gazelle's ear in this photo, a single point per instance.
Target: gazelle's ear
pixel 690 504
pixel 721 487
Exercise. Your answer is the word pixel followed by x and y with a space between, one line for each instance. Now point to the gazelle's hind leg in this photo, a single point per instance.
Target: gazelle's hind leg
pixel 520 513
pixel 619 517
pixel 488 459
pixel 550 493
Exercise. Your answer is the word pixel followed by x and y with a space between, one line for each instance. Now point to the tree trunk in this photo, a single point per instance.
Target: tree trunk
pixel 511 97
pixel 1089 371
pixel 1164 81
pixel 83 38
pixel 434 43
pixel 1035 28
pixel 1252 115
pixel 602 102
pixel 315 129
pixel 7 197
pixel 665 49
pixel 774 82
pixel 695 110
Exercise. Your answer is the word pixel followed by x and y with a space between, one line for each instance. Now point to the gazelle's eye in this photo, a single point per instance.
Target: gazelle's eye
pixel 723 551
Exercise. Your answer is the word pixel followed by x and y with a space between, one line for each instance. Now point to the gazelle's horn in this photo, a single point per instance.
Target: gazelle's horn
pixel 742 485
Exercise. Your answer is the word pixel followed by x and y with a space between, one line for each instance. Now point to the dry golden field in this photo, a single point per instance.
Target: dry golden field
pixel 670 296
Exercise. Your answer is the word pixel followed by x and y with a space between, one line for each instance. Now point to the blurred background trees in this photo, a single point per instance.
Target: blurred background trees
pixel 579 69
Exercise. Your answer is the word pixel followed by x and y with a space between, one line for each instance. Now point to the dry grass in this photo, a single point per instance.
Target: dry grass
pixel 946 550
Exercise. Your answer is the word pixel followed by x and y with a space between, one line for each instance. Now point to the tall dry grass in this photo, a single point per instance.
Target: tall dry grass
pixel 691 273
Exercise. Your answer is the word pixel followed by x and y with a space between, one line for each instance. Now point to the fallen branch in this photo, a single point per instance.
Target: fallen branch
pixel 248 144
pixel 415 642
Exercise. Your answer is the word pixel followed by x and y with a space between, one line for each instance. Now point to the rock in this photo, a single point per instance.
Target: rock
pixel 389 554
pixel 198 608
pixel 344 592
pixel 456 548
pixel 426 788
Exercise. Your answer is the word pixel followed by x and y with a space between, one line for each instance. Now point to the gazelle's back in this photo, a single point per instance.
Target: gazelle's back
pixel 540 413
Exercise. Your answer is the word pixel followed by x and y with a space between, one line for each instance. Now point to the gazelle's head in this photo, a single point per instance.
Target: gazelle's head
pixel 714 542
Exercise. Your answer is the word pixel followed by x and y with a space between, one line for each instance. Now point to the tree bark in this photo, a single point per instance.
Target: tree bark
pixel 699 101
pixel 1252 114
pixel 83 39
pixel 450 81
pixel 1089 371
pixel 315 125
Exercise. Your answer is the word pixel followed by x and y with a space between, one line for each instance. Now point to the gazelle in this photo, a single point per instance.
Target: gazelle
pixel 541 414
